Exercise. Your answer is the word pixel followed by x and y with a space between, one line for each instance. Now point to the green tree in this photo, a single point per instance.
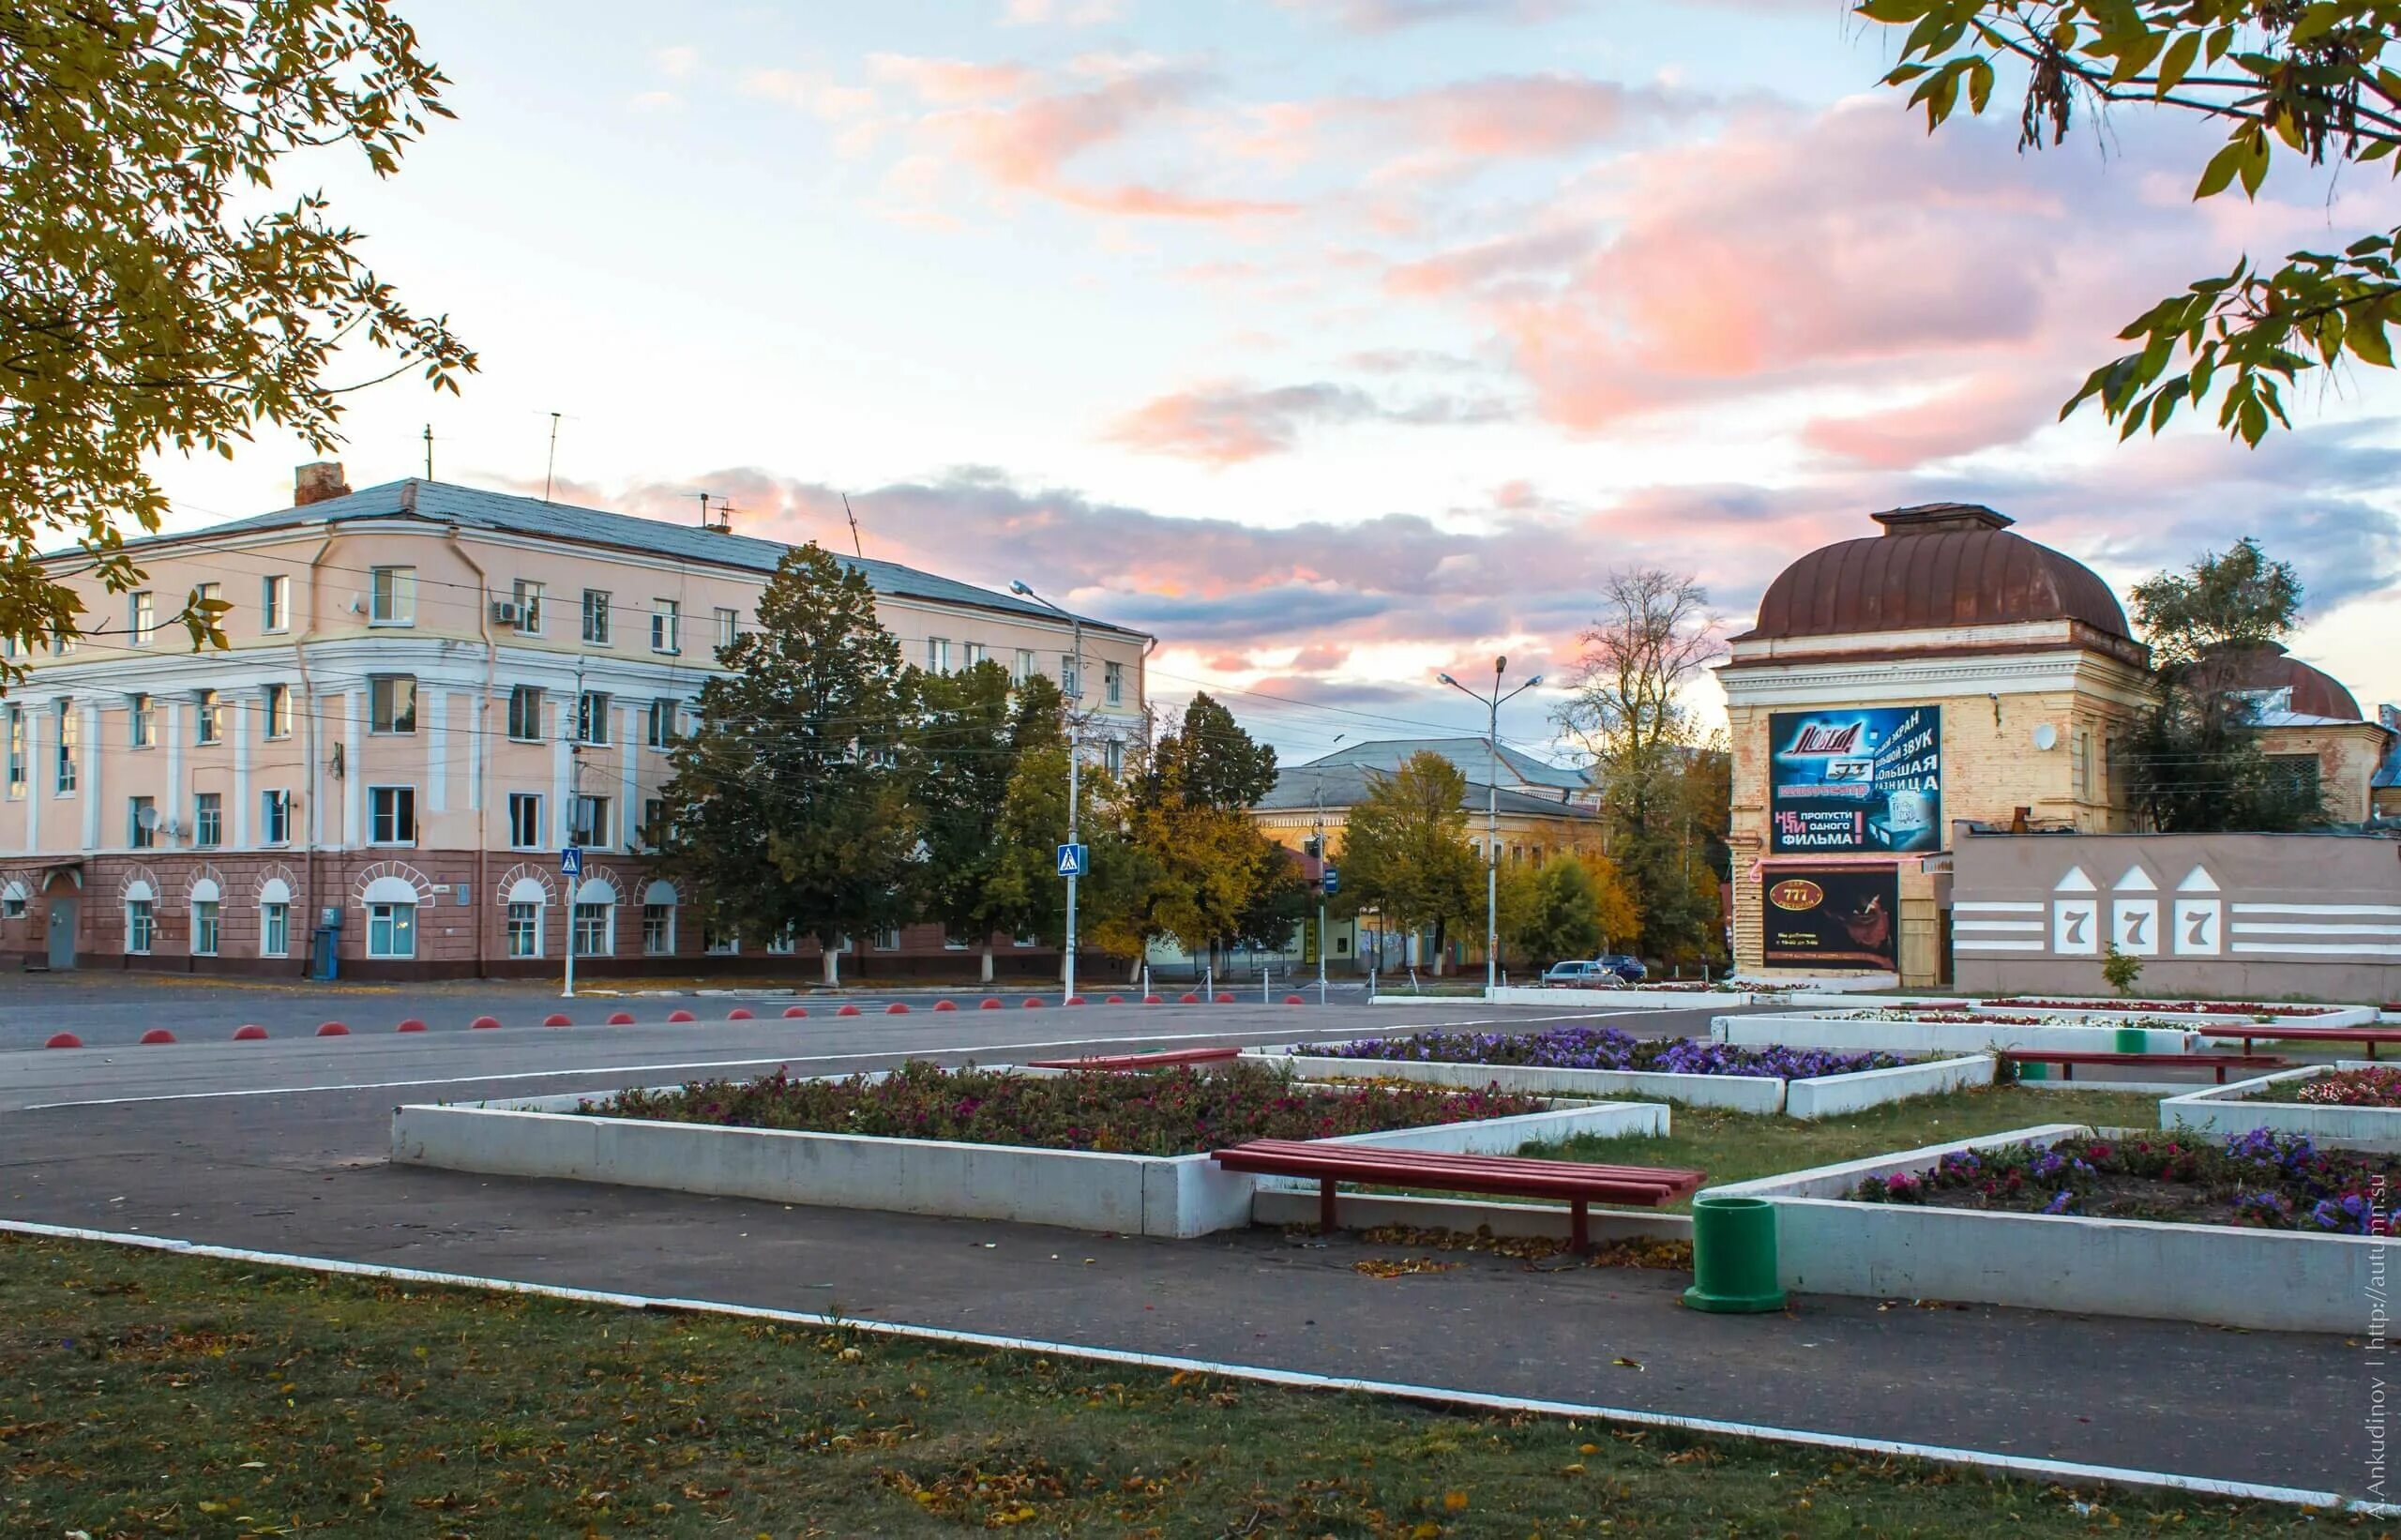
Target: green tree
pixel 1405 851
pixel 1564 917
pixel 965 755
pixel 1211 762
pixel 150 301
pixel 790 806
pixel 2193 763
pixel 1198 868
pixel 2310 75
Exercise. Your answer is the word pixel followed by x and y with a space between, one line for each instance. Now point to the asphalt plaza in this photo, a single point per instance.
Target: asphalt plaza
pixel 278 1146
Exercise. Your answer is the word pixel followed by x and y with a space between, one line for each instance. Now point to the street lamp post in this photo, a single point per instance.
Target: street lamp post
pixel 1323 941
pixel 1075 755
pixel 1493 705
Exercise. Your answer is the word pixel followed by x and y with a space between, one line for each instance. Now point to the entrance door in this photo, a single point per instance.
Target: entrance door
pixel 62 934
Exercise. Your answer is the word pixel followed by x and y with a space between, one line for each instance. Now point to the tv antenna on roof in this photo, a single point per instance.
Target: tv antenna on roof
pixel 856 548
pixel 549 467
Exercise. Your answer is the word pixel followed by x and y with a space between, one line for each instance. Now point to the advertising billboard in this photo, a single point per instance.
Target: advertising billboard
pixel 1832 916
pixel 1861 778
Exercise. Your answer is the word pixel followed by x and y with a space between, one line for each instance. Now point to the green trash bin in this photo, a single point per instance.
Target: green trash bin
pixel 1733 1256
pixel 2133 1040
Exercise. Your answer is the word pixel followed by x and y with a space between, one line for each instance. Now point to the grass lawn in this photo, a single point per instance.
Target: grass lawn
pixel 1738 1146
pixel 156 1395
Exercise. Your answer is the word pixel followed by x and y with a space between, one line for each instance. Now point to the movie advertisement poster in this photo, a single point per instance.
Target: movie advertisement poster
pixel 1862 778
pixel 1832 916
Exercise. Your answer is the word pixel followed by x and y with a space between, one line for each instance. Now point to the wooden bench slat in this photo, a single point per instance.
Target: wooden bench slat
pixel 2067 1059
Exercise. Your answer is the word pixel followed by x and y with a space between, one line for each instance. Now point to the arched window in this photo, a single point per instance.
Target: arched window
pixel 141 916
pixel 206 899
pixel 658 919
pixel 526 899
pixel 275 918
pixel 391 917
pixel 594 933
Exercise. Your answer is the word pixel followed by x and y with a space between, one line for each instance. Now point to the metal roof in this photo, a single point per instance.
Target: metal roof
pixel 469 508
pixel 1472 757
pixel 1299 788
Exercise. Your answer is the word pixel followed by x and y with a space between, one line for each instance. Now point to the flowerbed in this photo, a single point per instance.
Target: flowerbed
pixel 2339 1088
pixel 2170 1007
pixel 1159 1113
pixel 1605 1048
pixel 2257 1180
pixel 1952 1018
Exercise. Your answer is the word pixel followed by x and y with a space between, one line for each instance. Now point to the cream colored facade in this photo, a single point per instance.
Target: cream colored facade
pixel 543 665
pixel 1997 686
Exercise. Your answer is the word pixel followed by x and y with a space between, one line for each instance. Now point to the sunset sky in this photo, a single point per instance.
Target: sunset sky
pixel 1336 342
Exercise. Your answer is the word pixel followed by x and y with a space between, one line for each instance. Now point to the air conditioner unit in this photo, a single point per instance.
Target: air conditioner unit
pixel 508 612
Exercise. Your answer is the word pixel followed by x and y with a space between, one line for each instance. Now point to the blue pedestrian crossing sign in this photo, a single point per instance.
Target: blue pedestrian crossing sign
pixel 1075 860
pixel 571 862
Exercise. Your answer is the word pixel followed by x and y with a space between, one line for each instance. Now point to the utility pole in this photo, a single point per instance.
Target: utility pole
pixel 1324 941
pixel 429 453
pixel 1493 705
pixel 1075 759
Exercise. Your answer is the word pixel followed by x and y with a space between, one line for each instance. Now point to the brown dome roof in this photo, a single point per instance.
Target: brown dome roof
pixel 2268 666
pixel 1936 565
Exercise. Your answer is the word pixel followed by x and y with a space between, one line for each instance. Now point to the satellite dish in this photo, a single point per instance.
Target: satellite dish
pixel 148 819
pixel 2047 737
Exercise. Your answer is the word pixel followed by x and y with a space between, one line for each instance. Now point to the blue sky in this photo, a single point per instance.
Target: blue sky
pixel 1338 341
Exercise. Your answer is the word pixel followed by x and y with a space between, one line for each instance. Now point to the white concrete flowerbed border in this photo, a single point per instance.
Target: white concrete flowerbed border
pixel 2222 1109
pixel 2222 1021
pixel 1811 1030
pixel 1079 1189
pixel 1817 1096
pixel 2268 1280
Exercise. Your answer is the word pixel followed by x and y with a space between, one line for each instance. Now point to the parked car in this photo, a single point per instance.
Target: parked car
pixel 1593 974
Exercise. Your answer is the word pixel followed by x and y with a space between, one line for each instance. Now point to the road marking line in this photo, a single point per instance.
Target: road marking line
pixel 769 1058
pixel 2015 1465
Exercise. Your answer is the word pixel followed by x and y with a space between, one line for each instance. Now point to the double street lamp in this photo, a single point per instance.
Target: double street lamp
pixel 1493 705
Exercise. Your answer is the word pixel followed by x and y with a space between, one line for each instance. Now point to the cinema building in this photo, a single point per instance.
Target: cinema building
pixel 1946 680
pixel 430 691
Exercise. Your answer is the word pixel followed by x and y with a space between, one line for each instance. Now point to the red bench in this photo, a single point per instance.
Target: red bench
pixel 1113 1062
pixel 2067 1061
pixel 2253 1033
pixel 1580 1184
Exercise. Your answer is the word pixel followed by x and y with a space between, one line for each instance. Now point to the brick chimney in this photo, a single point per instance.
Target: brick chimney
pixel 318 481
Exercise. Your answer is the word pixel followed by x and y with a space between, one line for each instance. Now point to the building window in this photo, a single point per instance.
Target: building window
pixel 143 730
pixel 204 594
pixel 275 603
pixel 16 753
pixel 141 926
pixel 729 627
pixel 1024 938
pixel 1071 677
pixel 888 940
pixel 658 931
pixel 1113 755
pixel 1113 684
pixel 275 931
pixel 973 653
pixel 142 617
pixel 64 646
pixel 592 717
pixel 141 822
pixel 208 819
pixel 279 711
pixel 391 930
pixel 654 822
pixel 662 723
pixel 67 733
pixel 1024 668
pixel 784 942
pixel 594 928
pixel 209 726
pixel 391 815
pixel 2295 777
pixel 525 713
pixel 393 596
pixel 591 825
pixel 936 655
pixel 529 607
pixel 275 818
pixel 203 927
pixel 524 931
pixel 720 944
pixel 666 626
pixel 12 904
pixel 952 941
pixel 391 702
pixel 525 821
pixel 596 616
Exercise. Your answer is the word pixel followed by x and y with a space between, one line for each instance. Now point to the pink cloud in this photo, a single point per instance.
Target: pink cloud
pixel 1988 409
pixel 950 81
pixel 1223 424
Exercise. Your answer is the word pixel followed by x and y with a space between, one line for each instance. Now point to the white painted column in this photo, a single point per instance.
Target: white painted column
pixel 241 830
pixel 628 782
pixel 353 769
pixel 172 805
pixel 42 775
pixel 87 778
pixel 479 738
pixel 437 750
pixel 562 726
